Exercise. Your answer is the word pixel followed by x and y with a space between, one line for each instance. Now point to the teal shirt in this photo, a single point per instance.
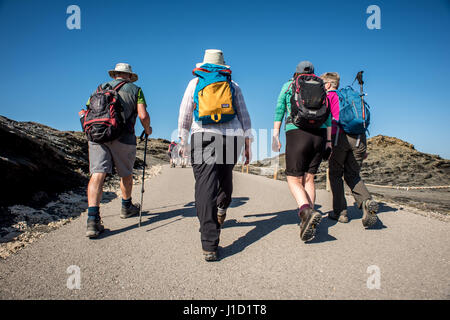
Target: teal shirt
pixel 284 106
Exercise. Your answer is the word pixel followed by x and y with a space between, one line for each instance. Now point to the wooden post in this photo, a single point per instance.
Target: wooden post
pixel 328 186
pixel 275 173
pixel 247 168
pixel 242 171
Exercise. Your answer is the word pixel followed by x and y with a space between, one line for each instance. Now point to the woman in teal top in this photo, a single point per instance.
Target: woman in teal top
pixel 305 149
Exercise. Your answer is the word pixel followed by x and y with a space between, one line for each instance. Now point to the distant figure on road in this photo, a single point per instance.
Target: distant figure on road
pixel 308 132
pixel 219 130
pixel 172 146
pixel 182 155
pixel 119 149
pixel 349 151
pixel 178 157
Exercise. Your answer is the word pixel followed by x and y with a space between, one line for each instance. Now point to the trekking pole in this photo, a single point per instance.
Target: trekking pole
pixel 361 82
pixel 143 173
pixel 359 78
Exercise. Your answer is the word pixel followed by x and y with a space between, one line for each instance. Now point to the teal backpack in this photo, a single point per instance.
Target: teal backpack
pixel 213 95
pixel 354 113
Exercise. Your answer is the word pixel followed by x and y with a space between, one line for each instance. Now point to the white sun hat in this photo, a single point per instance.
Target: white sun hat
pixel 213 56
pixel 123 67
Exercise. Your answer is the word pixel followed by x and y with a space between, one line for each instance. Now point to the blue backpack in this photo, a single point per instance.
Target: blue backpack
pixel 213 95
pixel 354 117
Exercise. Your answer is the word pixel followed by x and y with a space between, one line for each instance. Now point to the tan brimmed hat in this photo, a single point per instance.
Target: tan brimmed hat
pixel 213 56
pixel 123 67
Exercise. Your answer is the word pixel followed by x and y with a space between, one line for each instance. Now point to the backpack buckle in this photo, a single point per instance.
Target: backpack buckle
pixel 216 117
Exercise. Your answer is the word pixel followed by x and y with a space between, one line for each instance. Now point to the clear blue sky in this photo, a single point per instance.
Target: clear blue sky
pixel 48 71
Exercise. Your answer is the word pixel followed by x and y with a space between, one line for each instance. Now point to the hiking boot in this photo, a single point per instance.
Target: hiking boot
pixel 94 228
pixel 370 209
pixel 131 211
pixel 210 256
pixel 310 221
pixel 341 217
pixel 221 215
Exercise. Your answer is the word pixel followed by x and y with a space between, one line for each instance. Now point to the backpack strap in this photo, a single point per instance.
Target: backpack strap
pixel 225 71
pixel 199 69
pixel 120 85
pixel 296 79
pixel 289 87
pixel 116 88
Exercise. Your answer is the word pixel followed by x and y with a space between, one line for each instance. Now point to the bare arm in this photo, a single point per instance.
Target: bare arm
pixel 276 144
pixel 276 128
pixel 144 117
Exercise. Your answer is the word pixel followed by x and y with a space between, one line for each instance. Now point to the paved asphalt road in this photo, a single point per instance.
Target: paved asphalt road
pixel 262 255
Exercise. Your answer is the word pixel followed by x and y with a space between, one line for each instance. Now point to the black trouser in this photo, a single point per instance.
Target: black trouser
pixel 213 158
pixel 346 160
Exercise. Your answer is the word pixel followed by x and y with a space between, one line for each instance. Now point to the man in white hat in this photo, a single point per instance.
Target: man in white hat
pixel 120 153
pixel 215 146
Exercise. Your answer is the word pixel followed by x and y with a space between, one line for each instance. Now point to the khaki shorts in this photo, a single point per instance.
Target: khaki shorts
pixel 103 156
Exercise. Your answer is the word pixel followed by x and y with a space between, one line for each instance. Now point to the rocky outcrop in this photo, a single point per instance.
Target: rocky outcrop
pixel 37 161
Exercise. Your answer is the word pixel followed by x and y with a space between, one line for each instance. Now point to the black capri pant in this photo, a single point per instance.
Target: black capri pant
pixel 304 151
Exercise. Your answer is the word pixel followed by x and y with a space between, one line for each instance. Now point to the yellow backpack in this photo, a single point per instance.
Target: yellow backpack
pixel 213 96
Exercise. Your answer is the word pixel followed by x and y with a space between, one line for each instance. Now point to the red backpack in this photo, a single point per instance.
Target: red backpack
pixel 171 146
pixel 104 119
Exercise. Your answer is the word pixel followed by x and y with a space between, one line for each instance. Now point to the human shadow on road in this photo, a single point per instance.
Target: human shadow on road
pixel 264 227
pixel 385 208
pixel 235 202
pixel 188 210
pixel 108 196
pixel 238 201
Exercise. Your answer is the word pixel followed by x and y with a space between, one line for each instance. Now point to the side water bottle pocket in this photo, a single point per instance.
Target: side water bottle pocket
pixel 82 115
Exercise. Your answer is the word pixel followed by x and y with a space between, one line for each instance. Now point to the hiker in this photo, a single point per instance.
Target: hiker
pixel 172 145
pixel 308 139
pixel 220 128
pixel 349 151
pixel 183 157
pixel 119 152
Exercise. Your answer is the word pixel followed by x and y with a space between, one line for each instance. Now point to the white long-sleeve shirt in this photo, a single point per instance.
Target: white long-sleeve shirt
pixel 240 125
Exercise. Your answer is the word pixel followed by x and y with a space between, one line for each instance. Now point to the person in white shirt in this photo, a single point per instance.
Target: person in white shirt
pixel 215 149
